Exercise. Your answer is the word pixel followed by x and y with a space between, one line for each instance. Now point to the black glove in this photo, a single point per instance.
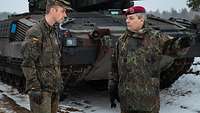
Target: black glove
pixel 113 92
pixel 36 96
pixel 185 42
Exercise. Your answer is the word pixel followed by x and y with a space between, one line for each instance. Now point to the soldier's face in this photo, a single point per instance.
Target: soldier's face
pixel 60 14
pixel 134 23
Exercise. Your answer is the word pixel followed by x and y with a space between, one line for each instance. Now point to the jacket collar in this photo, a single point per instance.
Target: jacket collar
pixel 140 34
pixel 47 26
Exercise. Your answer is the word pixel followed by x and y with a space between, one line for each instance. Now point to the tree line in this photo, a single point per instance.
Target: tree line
pixel 4 15
pixel 183 13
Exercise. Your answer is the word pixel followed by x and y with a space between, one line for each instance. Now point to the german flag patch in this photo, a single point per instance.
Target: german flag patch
pixel 34 40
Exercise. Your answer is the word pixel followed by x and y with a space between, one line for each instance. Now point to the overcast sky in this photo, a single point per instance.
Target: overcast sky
pixel 20 6
pixel 163 5
pixel 17 6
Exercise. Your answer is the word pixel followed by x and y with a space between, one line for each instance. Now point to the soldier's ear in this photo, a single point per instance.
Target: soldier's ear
pixel 142 19
pixel 53 9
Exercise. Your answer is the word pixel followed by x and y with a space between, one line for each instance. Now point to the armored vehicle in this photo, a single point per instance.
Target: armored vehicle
pixel 87 36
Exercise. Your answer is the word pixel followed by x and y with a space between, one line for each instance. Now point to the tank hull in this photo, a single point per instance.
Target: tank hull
pixel 87 57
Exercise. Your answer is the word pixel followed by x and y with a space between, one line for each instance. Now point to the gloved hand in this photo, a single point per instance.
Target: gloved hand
pixel 36 96
pixel 113 92
pixel 185 42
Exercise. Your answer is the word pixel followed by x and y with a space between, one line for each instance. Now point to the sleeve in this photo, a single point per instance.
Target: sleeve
pixel 31 49
pixel 113 78
pixel 114 75
pixel 174 47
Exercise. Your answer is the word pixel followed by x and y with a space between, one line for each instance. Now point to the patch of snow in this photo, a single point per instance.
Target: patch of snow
pixel 91 102
pixel 182 97
pixel 20 99
pixel 5 110
pixel 196 66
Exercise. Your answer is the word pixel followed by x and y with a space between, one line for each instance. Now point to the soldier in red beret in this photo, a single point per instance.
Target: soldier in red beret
pixel 135 17
pixel 135 77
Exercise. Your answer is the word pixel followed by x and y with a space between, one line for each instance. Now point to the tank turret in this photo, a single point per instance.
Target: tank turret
pixel 38 6
pixel 95 5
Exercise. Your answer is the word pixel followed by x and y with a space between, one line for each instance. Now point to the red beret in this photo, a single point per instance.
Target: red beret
pixel 135 9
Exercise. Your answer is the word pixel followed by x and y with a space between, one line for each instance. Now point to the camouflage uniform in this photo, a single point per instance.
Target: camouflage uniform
pixel 41 67
pixel 136 69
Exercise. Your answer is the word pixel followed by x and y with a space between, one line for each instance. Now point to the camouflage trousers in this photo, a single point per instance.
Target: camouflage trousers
pixel 48 103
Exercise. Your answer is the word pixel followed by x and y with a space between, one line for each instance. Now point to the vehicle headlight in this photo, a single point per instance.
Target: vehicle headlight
pixel 71 42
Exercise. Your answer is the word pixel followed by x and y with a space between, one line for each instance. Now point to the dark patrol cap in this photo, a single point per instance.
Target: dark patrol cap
pixel 135 9
pixel 62 3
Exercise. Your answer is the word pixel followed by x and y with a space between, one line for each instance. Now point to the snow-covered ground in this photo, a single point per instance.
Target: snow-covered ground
pixel 182 97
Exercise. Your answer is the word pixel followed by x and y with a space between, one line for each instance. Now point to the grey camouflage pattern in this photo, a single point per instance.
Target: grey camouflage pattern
pixel 136 68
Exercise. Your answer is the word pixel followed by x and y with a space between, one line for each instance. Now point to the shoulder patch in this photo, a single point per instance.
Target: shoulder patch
pixel 34 40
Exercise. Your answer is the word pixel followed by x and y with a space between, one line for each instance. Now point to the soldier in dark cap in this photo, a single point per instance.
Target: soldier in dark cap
pixel 135 77
pixel 41 64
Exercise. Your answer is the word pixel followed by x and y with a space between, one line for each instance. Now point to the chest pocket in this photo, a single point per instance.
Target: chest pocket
pixel 132 46
pixel 50 51
pixel 127 54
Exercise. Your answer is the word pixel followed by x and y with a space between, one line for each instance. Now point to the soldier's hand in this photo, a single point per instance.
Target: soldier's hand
pixel 113 101
pixel 113 104
pixel 36 96
pixel 113 92
pixel 185 42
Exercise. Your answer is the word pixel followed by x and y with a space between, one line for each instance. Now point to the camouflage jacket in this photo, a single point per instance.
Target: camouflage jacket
pixel 41 53
pixel 136 67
